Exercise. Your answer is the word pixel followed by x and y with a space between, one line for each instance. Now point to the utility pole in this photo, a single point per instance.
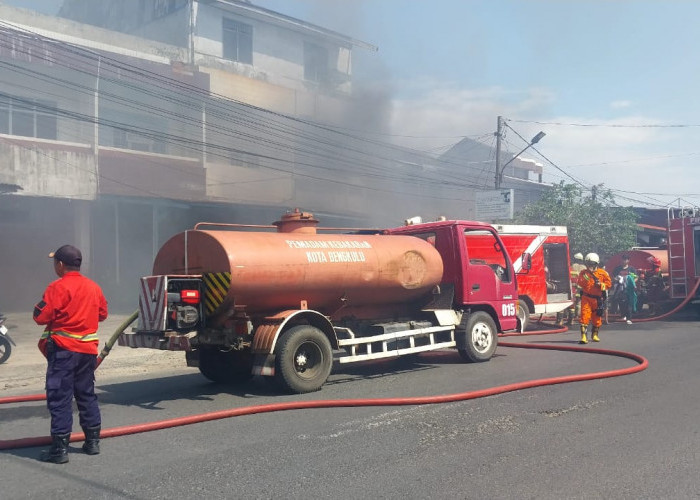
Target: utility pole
pixel 499 130
pixel 499 168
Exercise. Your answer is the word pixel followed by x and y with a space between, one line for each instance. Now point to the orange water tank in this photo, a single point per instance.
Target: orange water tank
pixel 639 259
pixel 275 271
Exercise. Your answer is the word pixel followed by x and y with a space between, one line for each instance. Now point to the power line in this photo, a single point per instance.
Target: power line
pixel 266 129
pixel 610 125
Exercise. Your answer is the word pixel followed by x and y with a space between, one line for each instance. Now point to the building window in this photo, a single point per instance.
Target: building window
pixel 238 41
pixel 315 63
pixel 162 8
pixel 134 131
pixel 28 117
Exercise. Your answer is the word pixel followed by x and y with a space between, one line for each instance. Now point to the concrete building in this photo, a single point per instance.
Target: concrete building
pixel 123 122
pixel 477 161
pixel 118 141
pixel 119 136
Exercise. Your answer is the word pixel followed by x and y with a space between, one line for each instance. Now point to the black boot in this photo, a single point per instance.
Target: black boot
pixel 92 440
pixel 58 453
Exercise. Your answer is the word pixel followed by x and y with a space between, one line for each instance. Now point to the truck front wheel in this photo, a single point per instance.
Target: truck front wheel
pixel 481 338
pixel 523 315
pixel 303 359
pixel 225 367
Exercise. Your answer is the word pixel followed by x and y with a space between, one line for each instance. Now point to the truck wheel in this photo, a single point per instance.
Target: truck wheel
pixel 225 367
pixel 523 316
pixel 482 338
pixel 303 359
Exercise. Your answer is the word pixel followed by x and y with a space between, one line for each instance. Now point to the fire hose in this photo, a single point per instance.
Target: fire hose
pixel 687 299
pixel 641 365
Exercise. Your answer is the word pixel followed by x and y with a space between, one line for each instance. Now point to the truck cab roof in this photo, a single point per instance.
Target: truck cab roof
pixel 427 226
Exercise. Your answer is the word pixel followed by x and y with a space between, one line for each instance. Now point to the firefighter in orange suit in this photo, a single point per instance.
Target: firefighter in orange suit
pixel 593 282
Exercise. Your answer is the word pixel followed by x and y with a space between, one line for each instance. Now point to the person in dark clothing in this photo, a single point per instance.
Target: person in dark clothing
pixel 622 270
pixel 71 308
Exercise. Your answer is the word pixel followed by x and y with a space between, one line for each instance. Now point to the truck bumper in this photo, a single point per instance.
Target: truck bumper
pixel 155 341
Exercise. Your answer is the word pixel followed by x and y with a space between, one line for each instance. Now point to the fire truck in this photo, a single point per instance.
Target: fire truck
pixel 677 262
pixel 544 285
pixel 278 300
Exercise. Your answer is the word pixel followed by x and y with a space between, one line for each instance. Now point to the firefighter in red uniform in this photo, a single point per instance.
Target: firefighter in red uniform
pixel 71 308
pixel 656 290
pixel 593 281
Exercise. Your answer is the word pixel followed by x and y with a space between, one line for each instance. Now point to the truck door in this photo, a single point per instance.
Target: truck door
pixel 488 275
pixel 557 277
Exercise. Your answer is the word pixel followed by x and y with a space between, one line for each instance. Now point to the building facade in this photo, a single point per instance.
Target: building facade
pixel 169 113
pixel 123 122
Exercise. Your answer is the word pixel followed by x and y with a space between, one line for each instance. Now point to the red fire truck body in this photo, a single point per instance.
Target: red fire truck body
pixel 683 250
pixel 545 287
pixel 678 262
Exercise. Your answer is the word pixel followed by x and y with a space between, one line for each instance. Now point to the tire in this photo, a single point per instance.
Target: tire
pixel 225 367
pixel 482 338
pixel 5 349
pixel 523 315
pixel 303 359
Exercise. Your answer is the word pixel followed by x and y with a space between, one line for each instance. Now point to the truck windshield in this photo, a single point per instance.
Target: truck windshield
pixel 484 248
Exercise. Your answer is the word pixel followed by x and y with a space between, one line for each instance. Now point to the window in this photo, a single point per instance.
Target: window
pixel 484 249
pixel 315 63
pixel 28 117
pixel 429 237
pixel 134 131
pixel 238 41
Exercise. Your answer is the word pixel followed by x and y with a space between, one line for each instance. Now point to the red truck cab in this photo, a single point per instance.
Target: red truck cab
pixel 476 264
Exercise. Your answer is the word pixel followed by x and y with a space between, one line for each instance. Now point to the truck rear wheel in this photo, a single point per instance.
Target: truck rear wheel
pixel 303 360
pixel 482 338
pixel 523 316
pixel 225 367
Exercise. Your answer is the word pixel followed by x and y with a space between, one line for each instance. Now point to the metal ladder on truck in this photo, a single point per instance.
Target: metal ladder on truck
pixel 677 265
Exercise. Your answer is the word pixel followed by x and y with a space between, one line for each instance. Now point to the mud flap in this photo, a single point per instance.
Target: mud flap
pixel 192 358
pixel 264 364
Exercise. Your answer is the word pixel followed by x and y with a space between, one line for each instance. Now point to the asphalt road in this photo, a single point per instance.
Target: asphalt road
pixel 634 436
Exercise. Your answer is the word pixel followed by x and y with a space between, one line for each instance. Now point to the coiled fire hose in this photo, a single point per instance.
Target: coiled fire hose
pixel 642 364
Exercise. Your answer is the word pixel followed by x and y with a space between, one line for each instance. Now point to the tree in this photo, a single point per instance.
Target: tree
pixel 595 223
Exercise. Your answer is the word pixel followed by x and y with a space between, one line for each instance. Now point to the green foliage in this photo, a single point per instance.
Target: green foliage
pixel 594 222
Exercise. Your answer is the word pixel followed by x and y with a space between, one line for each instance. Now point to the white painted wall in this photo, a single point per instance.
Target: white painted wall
pixel 43 168
pixel 278 52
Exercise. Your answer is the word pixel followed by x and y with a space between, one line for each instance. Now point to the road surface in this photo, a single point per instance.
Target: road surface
pixel 626 437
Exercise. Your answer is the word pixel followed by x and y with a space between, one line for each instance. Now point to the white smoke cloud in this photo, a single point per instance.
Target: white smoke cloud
pixel 620 104
pixel 631 153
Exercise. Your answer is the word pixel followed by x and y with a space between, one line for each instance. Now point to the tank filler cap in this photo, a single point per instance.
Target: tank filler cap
pixel 297 222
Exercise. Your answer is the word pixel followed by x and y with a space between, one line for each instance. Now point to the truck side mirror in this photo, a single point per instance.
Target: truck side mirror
pixel 527 261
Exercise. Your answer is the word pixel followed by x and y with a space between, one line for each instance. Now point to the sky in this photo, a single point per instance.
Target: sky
pixel 612 83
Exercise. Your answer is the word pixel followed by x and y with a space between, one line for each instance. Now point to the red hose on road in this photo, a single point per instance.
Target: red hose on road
pixel 338 403
pixel 100 357
pixel 688 298
pixel 105 352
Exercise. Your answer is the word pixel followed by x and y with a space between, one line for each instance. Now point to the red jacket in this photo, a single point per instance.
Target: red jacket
pixel 71 308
